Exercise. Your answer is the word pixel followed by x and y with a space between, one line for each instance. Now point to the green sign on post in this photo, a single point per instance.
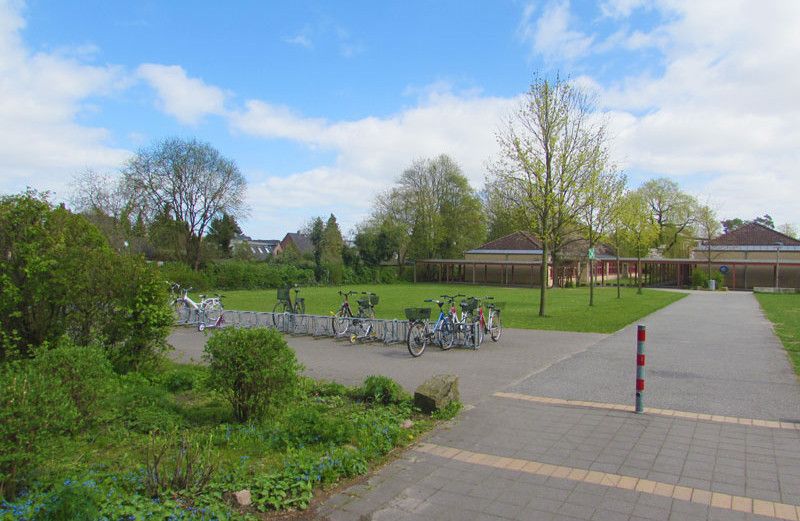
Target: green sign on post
pixel 591 253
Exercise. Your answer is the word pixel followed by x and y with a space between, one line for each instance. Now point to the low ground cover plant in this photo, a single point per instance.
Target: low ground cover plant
pixel 167 442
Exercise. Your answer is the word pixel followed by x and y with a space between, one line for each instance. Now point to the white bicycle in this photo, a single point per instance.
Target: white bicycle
pixel 209 312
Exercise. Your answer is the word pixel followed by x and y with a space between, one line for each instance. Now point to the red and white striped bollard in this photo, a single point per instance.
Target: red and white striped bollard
pixel 641 335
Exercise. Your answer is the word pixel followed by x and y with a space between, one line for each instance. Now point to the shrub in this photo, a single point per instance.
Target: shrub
pixel 383 390
pixel 83 372
pixel 237 274
pixel 700 277
pixel 184 275
pixel 253 368
pixel 60 276
pixel 177 463
pixel 33 408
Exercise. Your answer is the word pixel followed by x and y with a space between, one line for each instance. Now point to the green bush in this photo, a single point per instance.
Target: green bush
pixel 237 274
pixel 253 368
pixel 59 276
pixel 34 407
pixel 83 372
pixel 383 390
pixel 700 277
pixel 184 275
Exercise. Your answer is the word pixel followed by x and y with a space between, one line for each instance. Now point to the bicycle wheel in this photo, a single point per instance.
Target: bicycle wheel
pixel 480 332
pixel 212 312
pixel 280 307
pixel 182 313
pixel 417 338
pixel 496 327
pixel 340 322
pixel 446 335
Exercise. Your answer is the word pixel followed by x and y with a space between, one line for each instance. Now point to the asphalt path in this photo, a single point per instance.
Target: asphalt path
pixel 713 353
pixel 519 354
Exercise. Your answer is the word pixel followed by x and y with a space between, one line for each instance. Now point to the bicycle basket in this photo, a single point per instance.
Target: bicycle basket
pixel 418 313
pixel 497 306
pixel 373 300
pixel 283 293
pixel 470 305
pixel 363 303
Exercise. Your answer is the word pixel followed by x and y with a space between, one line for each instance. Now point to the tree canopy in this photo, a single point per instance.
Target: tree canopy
pixel 548 149
pixel 190 182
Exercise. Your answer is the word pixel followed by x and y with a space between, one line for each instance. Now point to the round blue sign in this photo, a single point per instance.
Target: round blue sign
pixel 724 269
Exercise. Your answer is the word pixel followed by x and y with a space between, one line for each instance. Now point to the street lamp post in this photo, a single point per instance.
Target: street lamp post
pixel 778 245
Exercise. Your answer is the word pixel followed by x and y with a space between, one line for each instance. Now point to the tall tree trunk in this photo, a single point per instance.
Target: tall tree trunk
pixel 545 278
pixel 638 274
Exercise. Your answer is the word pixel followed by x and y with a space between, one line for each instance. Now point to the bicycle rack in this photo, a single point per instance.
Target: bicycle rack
pixel 388 331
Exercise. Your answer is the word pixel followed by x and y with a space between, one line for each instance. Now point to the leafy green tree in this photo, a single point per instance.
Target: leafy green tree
pixel 222 231
pixel 639 231
pixel 332 246
pixel 765 220
pixel 375 244
pixel 316 232
pixel 429 201
pixel 728 225
pixel 708 227
pixel 59 276
pixel 603 192
pixel 674 213
pixel 547 150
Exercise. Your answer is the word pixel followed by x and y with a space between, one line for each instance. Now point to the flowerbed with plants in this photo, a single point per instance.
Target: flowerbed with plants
pixel 79 441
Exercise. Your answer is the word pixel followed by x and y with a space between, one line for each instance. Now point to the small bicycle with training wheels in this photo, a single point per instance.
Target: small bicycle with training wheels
pixel 360 326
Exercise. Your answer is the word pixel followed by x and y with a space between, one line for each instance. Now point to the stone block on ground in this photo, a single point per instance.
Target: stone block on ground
pixel 436 393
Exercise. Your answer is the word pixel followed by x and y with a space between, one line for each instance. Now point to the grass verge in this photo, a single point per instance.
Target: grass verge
pixel 784 313
pixel 567 309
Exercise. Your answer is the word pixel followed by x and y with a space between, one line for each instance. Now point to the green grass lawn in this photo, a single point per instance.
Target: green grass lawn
pixel 567 309
pixel 784 312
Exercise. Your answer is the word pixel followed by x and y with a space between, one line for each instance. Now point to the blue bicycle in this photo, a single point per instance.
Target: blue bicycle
pixel 420 331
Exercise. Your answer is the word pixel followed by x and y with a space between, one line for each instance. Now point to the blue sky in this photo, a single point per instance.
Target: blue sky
pixel 322 104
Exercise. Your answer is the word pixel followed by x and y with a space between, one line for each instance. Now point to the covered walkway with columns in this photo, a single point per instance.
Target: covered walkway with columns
pixel 740 274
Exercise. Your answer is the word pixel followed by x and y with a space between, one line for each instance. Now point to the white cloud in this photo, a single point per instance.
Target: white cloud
pixel 301 39
pixel 550 35
pixel 620 8
pixel 371 152
pixel 188 99
pixel 41 94
pixel 726 106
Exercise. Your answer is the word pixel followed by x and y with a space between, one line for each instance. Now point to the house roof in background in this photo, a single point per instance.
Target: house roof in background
pixel 753 234
pixel 517 242
pixel 302 242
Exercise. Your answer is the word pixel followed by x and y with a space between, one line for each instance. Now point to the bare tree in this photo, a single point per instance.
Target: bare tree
pixel 708 226
pixel 191 182
pixel 547 149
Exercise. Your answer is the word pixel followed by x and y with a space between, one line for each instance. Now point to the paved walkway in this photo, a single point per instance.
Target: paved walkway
pixel 722 445
pixel 481 372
